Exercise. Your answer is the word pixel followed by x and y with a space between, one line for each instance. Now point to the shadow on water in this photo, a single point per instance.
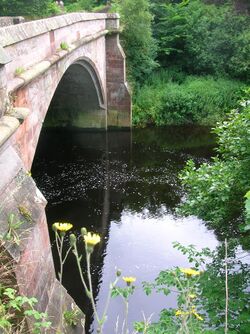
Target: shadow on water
pixel 124 186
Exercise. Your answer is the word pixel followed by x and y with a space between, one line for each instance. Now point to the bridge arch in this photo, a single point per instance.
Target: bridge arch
pixel 79 98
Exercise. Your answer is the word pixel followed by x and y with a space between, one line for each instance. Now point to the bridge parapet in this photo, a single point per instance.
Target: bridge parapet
pixel 32 42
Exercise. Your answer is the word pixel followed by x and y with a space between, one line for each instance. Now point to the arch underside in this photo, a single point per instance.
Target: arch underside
pixel 78 100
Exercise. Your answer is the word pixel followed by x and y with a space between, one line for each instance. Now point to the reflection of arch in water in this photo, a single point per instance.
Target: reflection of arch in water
pixel 79 99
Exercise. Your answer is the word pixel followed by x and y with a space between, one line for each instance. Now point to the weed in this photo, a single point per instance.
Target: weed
pixel 11 234
pixel 19 71
pixel 64 46
pixel 71 317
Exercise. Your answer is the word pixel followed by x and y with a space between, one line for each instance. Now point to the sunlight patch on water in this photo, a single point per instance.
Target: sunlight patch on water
pixel 141 245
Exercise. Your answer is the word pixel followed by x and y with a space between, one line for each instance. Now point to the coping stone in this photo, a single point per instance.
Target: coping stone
pixel 17 33
pixel 34 71
pixel 8 126
pixel 4 57
pixel 10 165
pixel 19 113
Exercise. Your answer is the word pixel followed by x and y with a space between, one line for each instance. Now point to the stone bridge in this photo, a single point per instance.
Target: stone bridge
pixel 73 64
pixel 66 71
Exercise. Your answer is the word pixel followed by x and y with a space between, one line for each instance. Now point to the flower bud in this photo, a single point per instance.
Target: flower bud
pixel 72 240
pixel 54 227
pixel 83 231
pixel 118 273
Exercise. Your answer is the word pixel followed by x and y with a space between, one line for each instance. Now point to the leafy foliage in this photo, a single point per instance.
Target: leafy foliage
pixel 206 293
pixel 80 5
pixel 136 37
pixel 170 98
pixel 246 228
pixel 203 38
pixel 29 8
pixel 72 317
pixel 215 191
pixel 12 235
pixel 12 312
pixel 212 284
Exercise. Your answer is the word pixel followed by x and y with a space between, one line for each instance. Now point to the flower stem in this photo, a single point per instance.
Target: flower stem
pixel 126 316
pixel 226 288
pixel 109 298
pixel 88 255
pixel 80 270
pixel 59 246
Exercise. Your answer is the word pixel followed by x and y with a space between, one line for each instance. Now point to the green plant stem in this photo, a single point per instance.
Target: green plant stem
pixel 126 315
pixel 89 291
pixel 78 261
pixel 88 255
pixel 59 245
pixel 109 298
pixel 66 255
pixel 226 288
pixel 184 329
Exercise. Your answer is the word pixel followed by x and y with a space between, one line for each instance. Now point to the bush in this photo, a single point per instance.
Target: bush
pixel 171 98
pixel 215 192
pixel 80 5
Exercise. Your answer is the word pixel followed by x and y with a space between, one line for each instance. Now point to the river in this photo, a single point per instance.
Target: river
pixel 123 185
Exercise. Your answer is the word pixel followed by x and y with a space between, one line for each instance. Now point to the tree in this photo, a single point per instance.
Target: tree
pixel 24 7
pixel 203 38
pixel 137 38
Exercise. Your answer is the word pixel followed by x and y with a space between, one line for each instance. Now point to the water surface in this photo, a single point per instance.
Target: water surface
pixel 123 185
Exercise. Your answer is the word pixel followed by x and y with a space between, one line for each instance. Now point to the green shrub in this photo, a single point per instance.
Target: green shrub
pixel 167 98
pixel 215 192
pixel 53 9
pixel 80 5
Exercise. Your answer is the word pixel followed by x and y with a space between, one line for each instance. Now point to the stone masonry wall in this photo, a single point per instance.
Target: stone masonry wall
pixel 34 269
pixel 118 96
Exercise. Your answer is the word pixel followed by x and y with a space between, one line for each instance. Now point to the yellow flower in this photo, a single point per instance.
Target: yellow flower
pixel 196 315
pixel 192 311
pixel 62 227
pixel 192 296
pixel 91 239
pixel 189 271
pixel 180 312
pixel 129 279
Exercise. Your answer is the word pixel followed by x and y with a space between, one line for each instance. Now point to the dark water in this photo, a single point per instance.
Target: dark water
pixel 123 186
